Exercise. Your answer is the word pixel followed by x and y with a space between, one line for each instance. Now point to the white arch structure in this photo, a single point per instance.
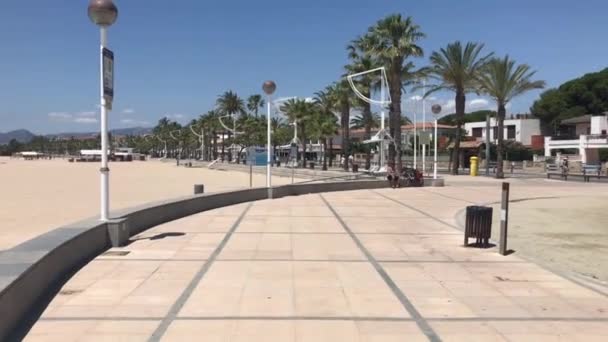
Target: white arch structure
pixel 385 100
pixel 201 138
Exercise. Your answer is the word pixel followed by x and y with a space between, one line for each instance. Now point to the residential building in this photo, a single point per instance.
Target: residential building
pixel 520 130
pixel 584 135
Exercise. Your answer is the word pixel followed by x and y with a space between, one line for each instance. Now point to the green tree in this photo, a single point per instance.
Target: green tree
pixel 254 103
pixel 585 95
pixel 341 96
pixel 302 112
pixel 456 68
pixel 476 116
pixel 327 128
pixel 229 103
pixel 392 41
pixel 362 61
pixel 502 80
pixel 362 121
pixel 280 133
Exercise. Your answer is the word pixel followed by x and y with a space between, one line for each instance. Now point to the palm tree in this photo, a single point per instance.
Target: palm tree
pixel 341 96
pixel 361 121
pixel 229 103
pixel 327 128
pixel 302 112
pixel 279 134
pixel 213 128
pixel 360 62
pixel 457 69
pixel 392 41
pixel 254 103
pixel 502 80
pixel 326 105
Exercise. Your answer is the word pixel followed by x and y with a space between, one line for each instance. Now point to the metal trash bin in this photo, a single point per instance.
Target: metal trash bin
pixel 355 167
pixel 199 189
pixel 312 165
pixel 478 225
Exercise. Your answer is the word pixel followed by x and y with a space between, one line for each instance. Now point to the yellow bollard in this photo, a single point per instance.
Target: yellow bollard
pixel 474 166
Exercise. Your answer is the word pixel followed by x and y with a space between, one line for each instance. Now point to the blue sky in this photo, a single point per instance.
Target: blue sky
pixel 174 57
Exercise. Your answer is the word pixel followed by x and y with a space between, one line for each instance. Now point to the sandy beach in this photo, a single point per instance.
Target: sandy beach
pixel 38 196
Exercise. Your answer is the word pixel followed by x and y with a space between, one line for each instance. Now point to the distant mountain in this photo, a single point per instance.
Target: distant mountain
pixel 25 136
pixel 21 135
pixel 119 131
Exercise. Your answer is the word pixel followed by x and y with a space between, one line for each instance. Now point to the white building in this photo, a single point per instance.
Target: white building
pixel 520 130
pixel 584 134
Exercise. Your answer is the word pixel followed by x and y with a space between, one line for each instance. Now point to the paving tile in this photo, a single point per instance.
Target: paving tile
pixel 326 331
pixel 201 330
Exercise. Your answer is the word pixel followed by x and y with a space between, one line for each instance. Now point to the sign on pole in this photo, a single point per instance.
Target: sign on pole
pixel 108 76
pixel 424 137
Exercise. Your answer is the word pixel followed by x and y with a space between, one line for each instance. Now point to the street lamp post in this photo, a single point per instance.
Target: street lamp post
pixel 103 13
pixel 269 88
pixel 436 109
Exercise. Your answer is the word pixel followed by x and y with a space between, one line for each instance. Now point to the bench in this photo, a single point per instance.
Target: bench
pixel 591 169
pixel 553 169
pixel 516 166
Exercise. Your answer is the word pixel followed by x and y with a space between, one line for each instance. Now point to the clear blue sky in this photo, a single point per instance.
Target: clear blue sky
pixel 174 57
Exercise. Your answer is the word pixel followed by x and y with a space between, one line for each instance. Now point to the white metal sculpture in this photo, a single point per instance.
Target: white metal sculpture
pixel 383 102
pixel 233 147
pixel 201 139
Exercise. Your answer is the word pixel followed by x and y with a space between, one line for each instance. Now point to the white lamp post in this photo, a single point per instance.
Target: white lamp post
pixel 103 13
pixel 269 88
pixel 436 110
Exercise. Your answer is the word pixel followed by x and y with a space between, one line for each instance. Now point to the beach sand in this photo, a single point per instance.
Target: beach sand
pixel 38 196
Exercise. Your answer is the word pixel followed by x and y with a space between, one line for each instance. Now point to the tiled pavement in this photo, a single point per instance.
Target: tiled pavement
pixel 382 265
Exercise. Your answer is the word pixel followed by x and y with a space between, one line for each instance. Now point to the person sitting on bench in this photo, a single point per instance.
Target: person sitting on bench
pixel 392 176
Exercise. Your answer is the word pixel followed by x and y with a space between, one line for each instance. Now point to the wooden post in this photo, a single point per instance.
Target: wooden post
pixel 504 218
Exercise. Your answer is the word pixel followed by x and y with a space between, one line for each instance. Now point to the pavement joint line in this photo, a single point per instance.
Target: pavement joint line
pixel 424 326
pixel 416 210
pixel 413 261
pixel 331 318
pixel 181 301
pixel 449 197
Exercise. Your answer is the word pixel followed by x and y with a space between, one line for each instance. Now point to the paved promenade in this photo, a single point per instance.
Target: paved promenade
pixel 371 265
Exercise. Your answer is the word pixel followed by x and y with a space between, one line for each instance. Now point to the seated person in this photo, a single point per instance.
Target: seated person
pixel 392 175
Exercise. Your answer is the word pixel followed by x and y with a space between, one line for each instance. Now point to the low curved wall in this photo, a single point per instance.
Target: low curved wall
pixel 33 272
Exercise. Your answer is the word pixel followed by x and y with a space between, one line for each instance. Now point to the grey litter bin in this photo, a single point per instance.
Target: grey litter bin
pixel 199 189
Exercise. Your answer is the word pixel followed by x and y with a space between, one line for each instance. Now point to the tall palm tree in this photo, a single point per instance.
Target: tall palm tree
pixel 213 127
pixel 392 41
pixel 326 106
pixel 230 103
pixel 302 112
pixel 342 97
pixel 502 80
pixel 254 103
pixel 279 134
pixel 363 121
pixel 456 68
pixel 327 128
pixel 362 61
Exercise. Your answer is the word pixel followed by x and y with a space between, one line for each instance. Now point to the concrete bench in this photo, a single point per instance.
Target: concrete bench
pixel 516 166
pixel 553 169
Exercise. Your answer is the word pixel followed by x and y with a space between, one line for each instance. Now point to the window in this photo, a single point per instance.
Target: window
pixel 511 132
pixel 477 132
